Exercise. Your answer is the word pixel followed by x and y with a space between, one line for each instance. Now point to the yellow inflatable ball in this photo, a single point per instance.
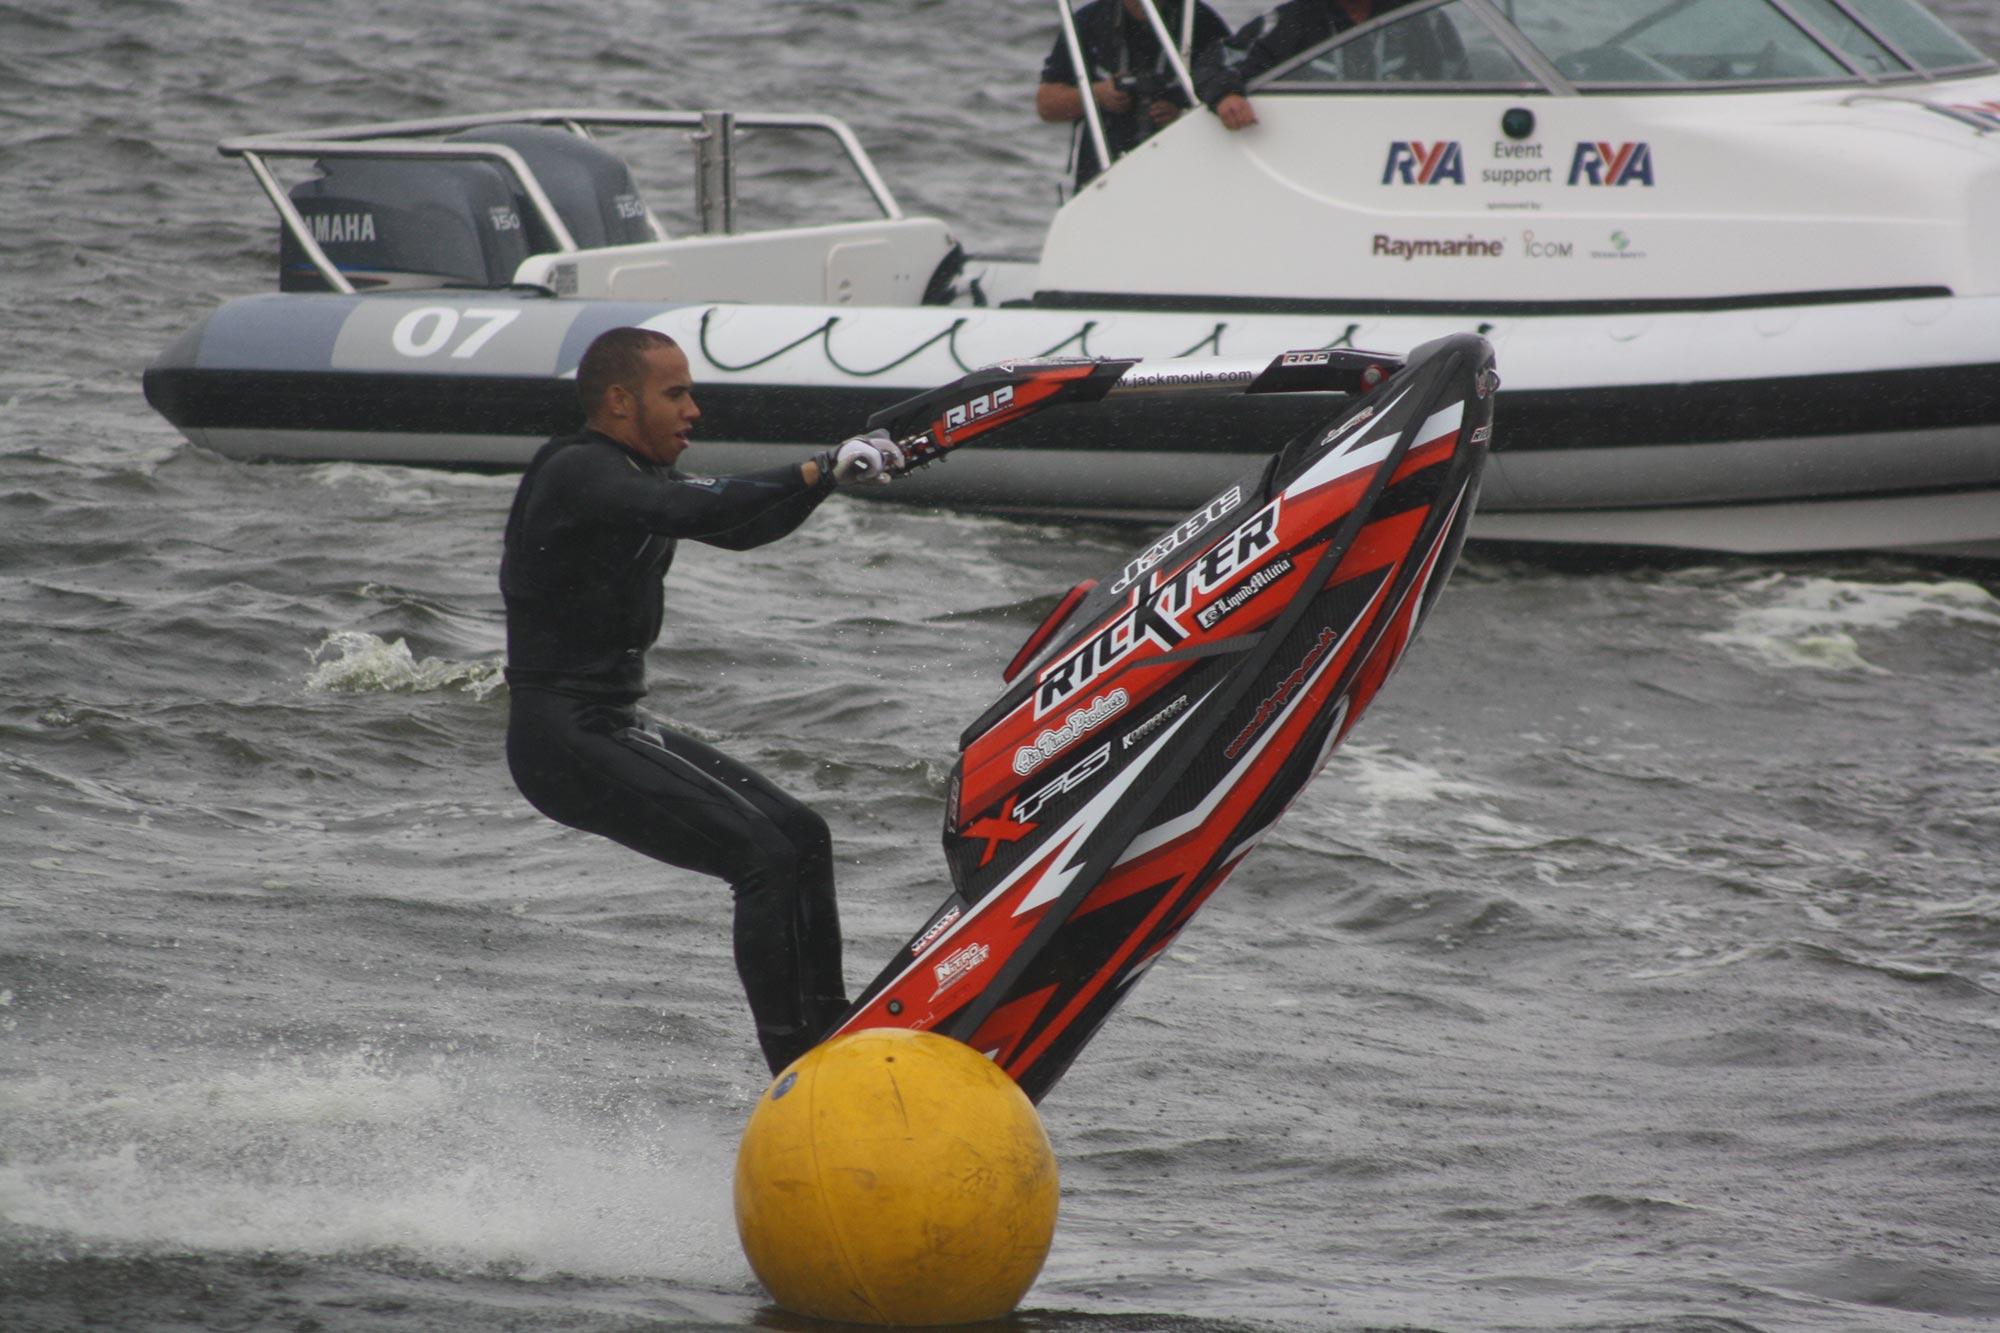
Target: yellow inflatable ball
pixel 895 1177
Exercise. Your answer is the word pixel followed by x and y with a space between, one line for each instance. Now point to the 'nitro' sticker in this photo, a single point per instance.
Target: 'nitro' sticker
pixel 959 966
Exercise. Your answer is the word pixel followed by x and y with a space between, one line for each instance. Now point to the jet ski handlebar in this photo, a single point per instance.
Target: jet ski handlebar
pixel 933 423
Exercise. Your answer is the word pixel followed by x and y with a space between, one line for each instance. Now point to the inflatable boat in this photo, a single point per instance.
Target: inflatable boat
pixel 1736 255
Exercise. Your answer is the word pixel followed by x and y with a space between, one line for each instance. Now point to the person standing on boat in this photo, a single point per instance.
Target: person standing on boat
pixel 1135 91
pixel 1267 41
pixel 588 544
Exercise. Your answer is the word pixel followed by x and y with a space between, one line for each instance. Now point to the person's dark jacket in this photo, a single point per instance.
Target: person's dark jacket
pixel 1264 43
pixel 1114 43
pixel 589 540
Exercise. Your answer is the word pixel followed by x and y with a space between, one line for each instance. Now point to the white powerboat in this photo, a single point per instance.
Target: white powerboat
pixel 1736 258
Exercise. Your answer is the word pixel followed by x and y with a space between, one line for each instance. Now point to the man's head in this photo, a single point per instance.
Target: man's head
pixel 636 388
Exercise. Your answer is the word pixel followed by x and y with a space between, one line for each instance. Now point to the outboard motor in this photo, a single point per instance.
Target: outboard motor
pixel 389 223
pixel 406 224
pixel 591 188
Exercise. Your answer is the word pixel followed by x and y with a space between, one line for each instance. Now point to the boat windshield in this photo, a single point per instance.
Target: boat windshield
pixel 1443 44
pixel 1919 34
pixel 1598 45
pixel 1597 42
pixel 1857 44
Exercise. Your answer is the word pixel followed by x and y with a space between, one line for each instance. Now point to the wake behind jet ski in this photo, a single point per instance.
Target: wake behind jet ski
pixel 1162 718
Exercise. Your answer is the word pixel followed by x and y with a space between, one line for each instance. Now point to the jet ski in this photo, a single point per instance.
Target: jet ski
pixel 1163 717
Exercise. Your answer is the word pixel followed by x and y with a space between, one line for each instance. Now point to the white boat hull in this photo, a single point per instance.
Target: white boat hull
pixel 1592 435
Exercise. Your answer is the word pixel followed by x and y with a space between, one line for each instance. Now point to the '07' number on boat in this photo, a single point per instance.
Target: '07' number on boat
pixel 427 330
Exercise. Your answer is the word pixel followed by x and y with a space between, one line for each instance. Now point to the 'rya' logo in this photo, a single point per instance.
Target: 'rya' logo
pixel 1414 163
pixel 1611 164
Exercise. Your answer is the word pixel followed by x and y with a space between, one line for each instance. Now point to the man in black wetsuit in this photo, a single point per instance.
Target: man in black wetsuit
pixel 588 543
pixel 1120 46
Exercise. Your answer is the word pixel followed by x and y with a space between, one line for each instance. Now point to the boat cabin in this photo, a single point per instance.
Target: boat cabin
pixel 1503 155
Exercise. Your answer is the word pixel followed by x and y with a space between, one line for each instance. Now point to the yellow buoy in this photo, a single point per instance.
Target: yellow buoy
pixel 895 1177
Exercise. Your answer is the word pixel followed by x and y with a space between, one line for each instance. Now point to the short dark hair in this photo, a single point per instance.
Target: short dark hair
pixel 616 356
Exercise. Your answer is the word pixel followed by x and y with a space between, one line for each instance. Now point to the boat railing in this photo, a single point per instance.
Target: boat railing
pixel 714 139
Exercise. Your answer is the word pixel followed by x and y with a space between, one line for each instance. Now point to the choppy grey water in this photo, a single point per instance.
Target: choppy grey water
pixel 1636 967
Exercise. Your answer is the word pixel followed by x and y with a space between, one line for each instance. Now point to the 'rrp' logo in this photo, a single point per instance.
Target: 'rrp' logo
pixel 1611 164
pixel 985 405
pixel 1414 163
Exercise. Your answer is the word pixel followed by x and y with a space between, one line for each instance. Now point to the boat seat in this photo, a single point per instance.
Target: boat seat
pixel 883 262
pixel 591 187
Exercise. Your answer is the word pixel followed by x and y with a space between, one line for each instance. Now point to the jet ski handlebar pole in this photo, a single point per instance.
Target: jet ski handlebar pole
pixel 932 424
pixel 1316 371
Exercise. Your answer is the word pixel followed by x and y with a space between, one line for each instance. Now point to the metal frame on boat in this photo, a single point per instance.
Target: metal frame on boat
pixel 714 141
pixel 1743 300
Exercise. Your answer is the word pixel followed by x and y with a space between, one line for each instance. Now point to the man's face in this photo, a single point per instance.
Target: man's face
pixel 663 410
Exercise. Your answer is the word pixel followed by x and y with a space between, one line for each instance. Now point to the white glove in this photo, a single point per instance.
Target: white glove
pixel 871 457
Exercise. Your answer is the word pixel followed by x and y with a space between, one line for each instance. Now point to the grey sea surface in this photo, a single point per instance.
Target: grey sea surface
pixel 1635 967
